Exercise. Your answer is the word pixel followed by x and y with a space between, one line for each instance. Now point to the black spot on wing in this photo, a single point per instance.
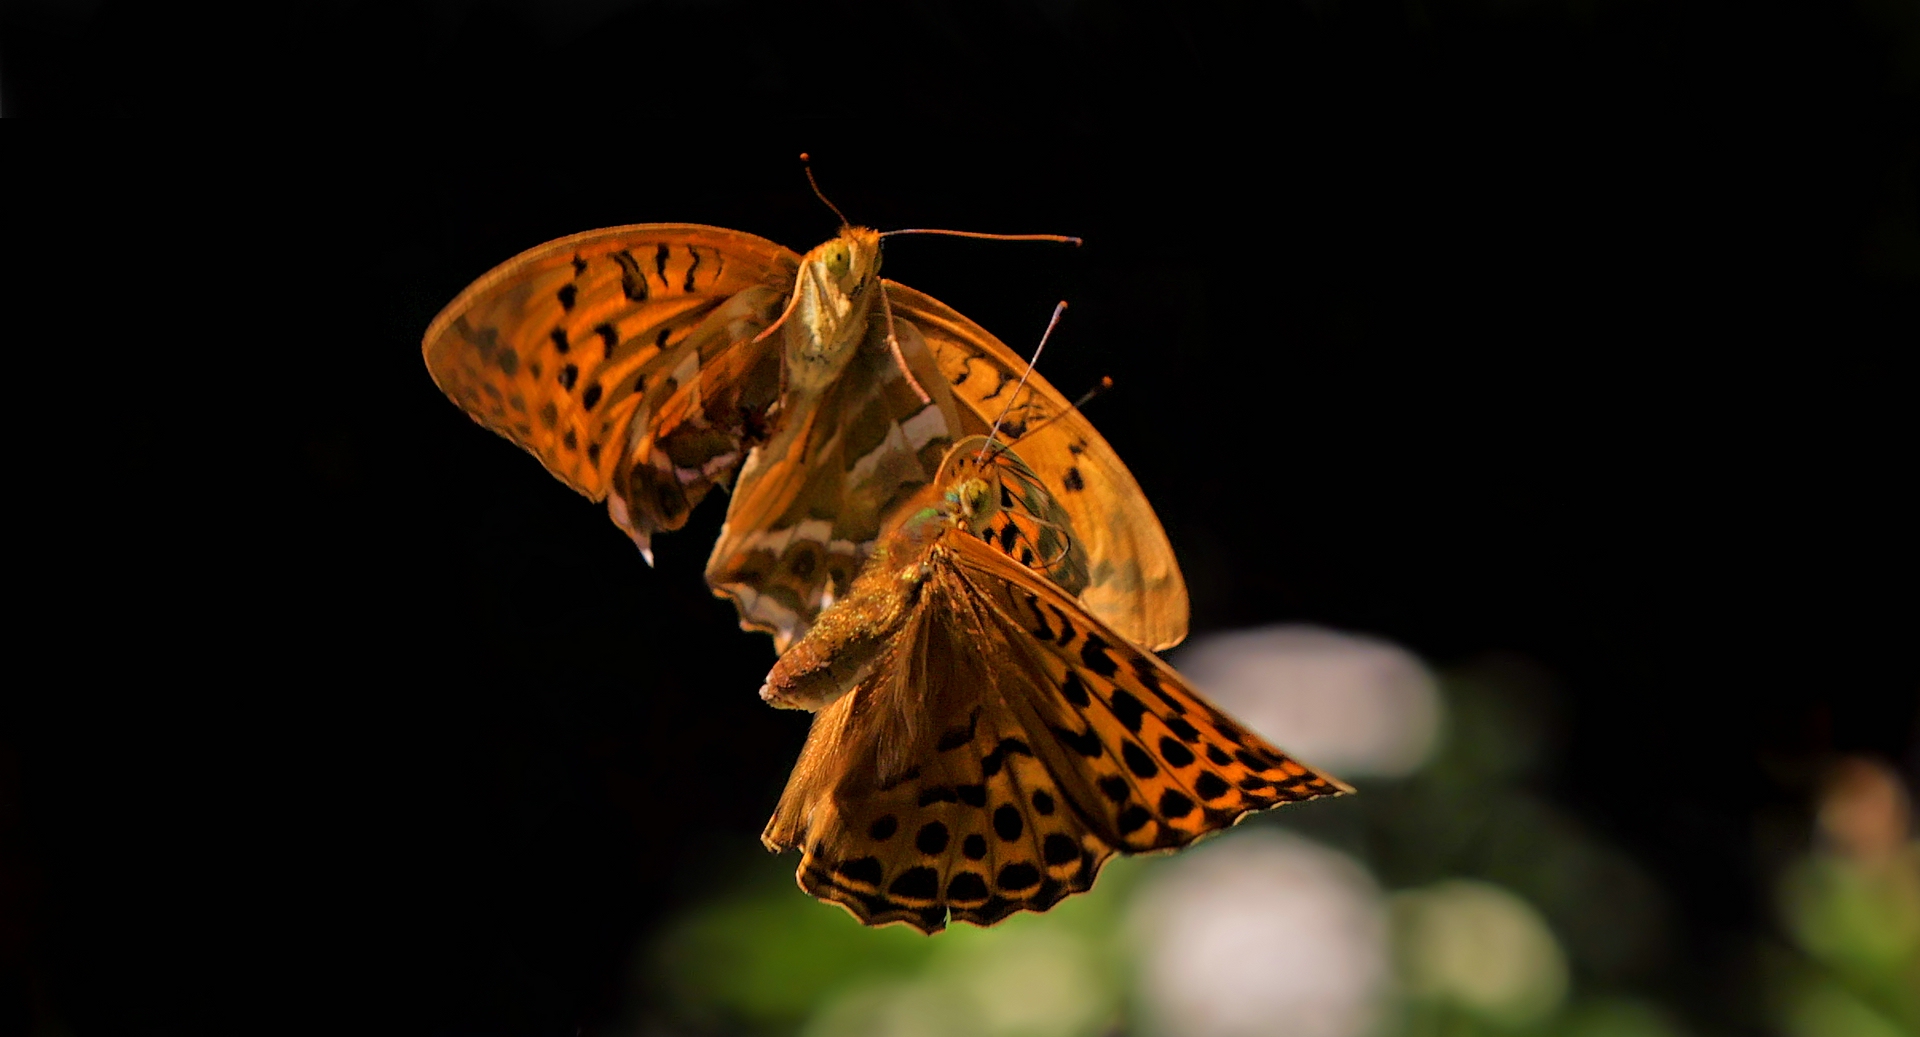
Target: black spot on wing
pixel 570 441
pixel 1042 803
pixel 1133 818
pixel 566 296
pixel 1176 755
pixel 591 396
pixel 918 883
pixel 967 886
pixel 938 794
pixel 931 839
pixel 560 342
pixel 633 283
pixel 1006 823
pixel 1182 730
pixel 1209 785
pixel 1138 761
pixel 1072 480
pixel 991 763
pixel 1075 692
pixel 865 870
pixel 608 336
pixel 1115 788
pixel 1094 654
pixel 972 795
pixel 974 846
pixel 1252 761
pixel 882 830
pixel 688 285
pixel 1066 627
pixel 1173 804
pixel 660 256
pixel 1128 709
pixel 1058 849
pixel 1044 633
pixel 1218 756
pixel 568 375
pixel 1086 743
pixel 579 265
pixel 1018 876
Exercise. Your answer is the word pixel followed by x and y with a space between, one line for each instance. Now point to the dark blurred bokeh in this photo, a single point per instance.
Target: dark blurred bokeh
pixel 1571 336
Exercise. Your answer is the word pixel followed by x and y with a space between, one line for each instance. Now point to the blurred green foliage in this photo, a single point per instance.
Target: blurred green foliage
pixel 1510 918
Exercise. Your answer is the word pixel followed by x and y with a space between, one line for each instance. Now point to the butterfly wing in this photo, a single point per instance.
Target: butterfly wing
pixel 1135 583
pixel 918 795
pixel 809 504
pixel 1005 747
pixel 622 358
pixel 1148 762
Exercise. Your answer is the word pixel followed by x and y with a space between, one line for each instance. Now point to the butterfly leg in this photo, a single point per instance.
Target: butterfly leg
pixel 893 343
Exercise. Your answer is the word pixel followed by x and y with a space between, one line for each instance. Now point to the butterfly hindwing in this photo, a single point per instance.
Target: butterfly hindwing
pixel 809 504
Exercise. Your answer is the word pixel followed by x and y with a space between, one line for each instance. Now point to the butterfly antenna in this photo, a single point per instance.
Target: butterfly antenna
pixel 1066 540
pixel 1058 309
pixel 1099 387
pixel 1063 239
pixel 806 163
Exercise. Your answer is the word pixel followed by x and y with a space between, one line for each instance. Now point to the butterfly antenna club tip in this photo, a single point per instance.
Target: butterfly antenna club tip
pixel 806 163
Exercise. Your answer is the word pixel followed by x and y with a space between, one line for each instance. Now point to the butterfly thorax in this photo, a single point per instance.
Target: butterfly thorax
pixel 848 639
pixel 846 642
pixel 833 299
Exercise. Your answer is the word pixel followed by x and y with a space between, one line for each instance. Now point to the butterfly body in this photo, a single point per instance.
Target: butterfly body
pixel 982 744
pixel 646 364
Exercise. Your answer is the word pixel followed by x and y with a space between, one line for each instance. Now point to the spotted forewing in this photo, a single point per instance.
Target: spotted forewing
pixel 636 363
pixel 1003 742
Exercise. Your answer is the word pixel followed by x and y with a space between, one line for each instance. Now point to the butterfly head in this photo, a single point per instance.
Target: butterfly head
pixel 971 477
pixel 832 298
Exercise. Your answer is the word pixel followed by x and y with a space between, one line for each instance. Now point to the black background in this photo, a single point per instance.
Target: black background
pixel 1573 331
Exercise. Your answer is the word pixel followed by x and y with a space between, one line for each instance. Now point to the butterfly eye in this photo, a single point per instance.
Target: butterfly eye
pixel 838 262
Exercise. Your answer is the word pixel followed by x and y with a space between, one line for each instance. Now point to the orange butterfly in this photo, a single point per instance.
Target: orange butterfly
pixel 983 744
pixel 646 364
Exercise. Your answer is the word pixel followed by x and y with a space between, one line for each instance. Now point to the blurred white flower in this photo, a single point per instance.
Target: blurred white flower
pixel 1261 935
pixel 1352 705
pixel 1478 946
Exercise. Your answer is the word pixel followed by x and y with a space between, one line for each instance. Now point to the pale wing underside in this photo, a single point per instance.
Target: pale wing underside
pixel 1135 582
pixel 811 502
